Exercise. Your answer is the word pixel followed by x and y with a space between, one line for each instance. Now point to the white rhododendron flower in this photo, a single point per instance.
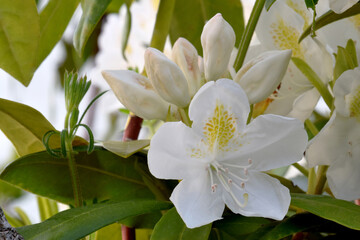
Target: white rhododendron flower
pixel 262 75
pixel 220 159
pixel 338 143
pixel 280 28
pixel 340 6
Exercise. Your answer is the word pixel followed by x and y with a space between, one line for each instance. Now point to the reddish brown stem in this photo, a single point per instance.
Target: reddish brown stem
pixel 132 130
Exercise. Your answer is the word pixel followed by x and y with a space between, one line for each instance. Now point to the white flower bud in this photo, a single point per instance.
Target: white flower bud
pixel 137 94
pixel 167 78
pixel 217 40
pixel 184 54
pixel 262 75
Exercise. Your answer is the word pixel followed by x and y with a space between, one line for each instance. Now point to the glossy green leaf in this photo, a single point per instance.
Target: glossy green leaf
pixel 25 127
pixel 339 211
pixel 54 18
pixel 78 222
pixel 237 225
pixel 93 10
pixel 19 38
pixel 330 17
pixel 172 227
pixel 126 149
pixel 103 175
pixel 190 16
pixel 297 223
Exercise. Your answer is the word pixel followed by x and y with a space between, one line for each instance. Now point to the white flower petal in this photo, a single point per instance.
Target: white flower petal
pixel 335 139
pixel 343 175
pixel 267 197
pixel 169 154
pixel 347 87
pixel 167 78
pixel 340 6
pixel 217 40
pixel 225 91
pixel 304 105
pixel 185 56
pixel 272 141
pixel 136 93
pixel 261 75
pixel 196 203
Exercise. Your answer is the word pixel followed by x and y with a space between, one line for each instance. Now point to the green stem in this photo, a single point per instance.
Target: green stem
pixel 162 24
pixel 311 126
pixel 301 169
pixel 248 33
pixel 311 181
pixel 314 79
pixel 75 180
pixel 320 179
pixel 185 117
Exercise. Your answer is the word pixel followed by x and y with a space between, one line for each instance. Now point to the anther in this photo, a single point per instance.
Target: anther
pixel 230 181
pixel 213 187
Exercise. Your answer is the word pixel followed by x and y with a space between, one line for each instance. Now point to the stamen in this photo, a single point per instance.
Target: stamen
pixel 213 187
pixel 227 188
pixel 240 178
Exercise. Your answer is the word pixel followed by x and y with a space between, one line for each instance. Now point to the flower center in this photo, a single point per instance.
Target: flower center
pixel 223 173
pixel 355 104
pixel 286 37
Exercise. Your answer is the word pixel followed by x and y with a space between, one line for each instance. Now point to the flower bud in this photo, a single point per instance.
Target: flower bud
pixel 262 75
pixel 184 54
pixel 167 78
pixel 217 40
pixel 137 94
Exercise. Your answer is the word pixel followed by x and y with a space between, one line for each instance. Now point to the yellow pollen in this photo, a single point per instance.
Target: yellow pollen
pixel 219 129
pixel 356 21
pixel 302 12
pixel 355 104
pixel 286 37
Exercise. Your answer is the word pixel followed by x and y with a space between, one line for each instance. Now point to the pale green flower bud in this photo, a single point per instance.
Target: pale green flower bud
pixel 217 40
pixel 167 78
pixel 262 75
pixel 184 54
pixel 137 94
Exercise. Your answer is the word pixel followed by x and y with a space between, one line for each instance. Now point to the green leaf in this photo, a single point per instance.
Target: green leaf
pixel 54 18
pixel 190 16
pixel 25 127
pixel 93 10
pixel 330 17
pixel 126 31
pixel 172 227
pixel 19 38
pixel 103 175
pixel 311 4
pixel 298 223
pixel 238 226
pixel 126 149
pixel 76 223
pixel 339 211
pixel 345 59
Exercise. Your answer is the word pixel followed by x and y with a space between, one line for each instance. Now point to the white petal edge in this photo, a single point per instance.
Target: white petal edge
pixel 267 197
pixel 196 203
